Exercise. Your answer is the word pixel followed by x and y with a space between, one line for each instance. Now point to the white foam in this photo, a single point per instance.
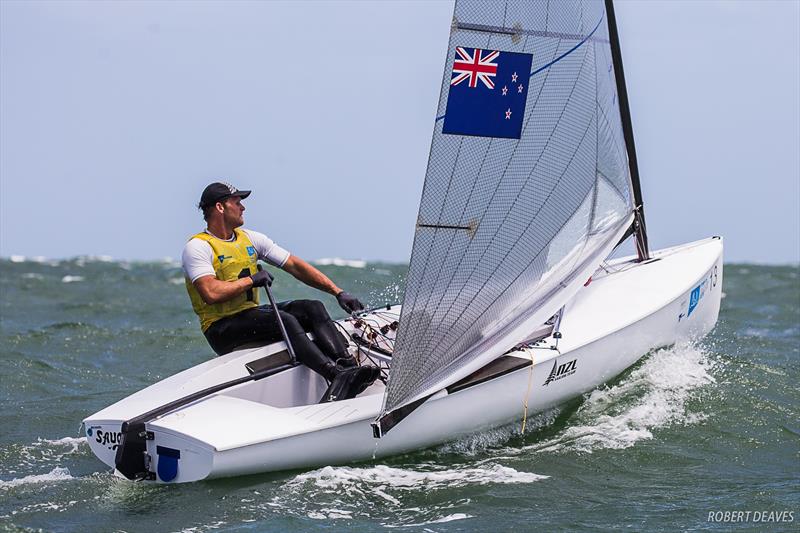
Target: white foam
pixel 35 259
pixel 169 262
pixel 652 396
pixel 330 514
pixel 480 442
pixel 73 442
pixel 390 293
pixel 442 520
pixel 338 261
pixel 757 332
pixel 45 452
pixel 81 260
pixel 42 507
pixel 387 494
pixel 71 279
pixel 32 275
pixel 450 518
pixel 399 478
pixel 383 492
pixel 56 474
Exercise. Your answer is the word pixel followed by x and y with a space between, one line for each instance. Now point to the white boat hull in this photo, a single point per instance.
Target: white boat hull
pixel 275 424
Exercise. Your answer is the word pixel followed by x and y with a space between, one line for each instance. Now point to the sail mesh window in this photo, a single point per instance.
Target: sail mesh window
pixel 505 224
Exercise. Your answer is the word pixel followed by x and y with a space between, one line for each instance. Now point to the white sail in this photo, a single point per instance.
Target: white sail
pixel 510 228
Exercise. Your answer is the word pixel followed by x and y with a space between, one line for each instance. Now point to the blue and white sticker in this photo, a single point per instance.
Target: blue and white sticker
pixel 694 298
pixel 698 292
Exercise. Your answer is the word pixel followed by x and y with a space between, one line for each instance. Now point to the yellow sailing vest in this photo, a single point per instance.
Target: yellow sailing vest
pixel 232 260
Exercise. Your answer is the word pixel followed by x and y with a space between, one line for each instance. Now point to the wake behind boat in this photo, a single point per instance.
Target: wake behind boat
pixel 510 306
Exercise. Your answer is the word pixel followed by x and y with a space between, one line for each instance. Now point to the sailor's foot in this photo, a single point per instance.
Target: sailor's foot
pixel 350 382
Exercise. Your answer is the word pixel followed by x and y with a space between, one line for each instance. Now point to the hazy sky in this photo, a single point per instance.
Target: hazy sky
pixel 115 115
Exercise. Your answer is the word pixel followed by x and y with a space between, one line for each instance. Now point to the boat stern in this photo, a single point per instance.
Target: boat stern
pixel 103 437
pixel 166 457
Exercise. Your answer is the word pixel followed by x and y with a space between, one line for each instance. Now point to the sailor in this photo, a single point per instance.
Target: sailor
pixel 223 277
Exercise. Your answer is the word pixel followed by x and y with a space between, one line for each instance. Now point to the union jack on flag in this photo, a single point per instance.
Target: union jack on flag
pixel 474 105
pixel 474 67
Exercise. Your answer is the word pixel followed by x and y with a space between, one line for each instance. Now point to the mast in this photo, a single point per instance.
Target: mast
pixel 638 228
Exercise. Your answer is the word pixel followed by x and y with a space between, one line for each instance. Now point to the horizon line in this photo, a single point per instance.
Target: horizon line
pixel 322 261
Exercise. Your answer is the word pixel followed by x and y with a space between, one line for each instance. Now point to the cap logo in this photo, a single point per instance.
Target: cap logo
pixel 230 187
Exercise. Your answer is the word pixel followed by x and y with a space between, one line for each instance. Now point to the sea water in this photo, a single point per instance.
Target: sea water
pixel 703 436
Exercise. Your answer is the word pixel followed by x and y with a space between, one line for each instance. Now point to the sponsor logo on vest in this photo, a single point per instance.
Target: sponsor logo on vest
pixel 223 257
pixel 561 371
pixel 251 250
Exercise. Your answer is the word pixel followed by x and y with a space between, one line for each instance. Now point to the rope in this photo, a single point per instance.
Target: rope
pixel 527 393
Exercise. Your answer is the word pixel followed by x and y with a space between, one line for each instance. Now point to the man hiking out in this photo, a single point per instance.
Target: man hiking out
pixel 223 278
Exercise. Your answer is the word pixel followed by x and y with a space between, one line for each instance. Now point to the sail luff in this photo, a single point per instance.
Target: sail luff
pixel 410 285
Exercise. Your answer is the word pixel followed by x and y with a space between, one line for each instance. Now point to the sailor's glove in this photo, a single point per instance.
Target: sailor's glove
pixel 262 278
pixel 349 303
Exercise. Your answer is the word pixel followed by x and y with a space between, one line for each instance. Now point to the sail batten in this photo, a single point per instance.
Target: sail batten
pixel 511 221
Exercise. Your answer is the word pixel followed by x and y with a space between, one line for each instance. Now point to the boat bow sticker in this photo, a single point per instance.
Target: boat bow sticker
pixel 167 462
pixel 560 371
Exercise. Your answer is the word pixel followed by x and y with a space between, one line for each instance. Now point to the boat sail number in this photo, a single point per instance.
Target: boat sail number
pixel 560 371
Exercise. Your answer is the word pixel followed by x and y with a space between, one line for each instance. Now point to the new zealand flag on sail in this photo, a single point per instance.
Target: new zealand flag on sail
pixel 488 91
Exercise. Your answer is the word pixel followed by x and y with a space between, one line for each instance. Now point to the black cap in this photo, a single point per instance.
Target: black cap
pixel 219 192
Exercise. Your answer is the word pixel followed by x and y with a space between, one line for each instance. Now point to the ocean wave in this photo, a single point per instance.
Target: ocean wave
pixel 73 443
pixel 481 442
pixel 23 259
pixel 337 477
pixel 38 259
pixel 43 452
pixel 338 261
pixel 84 260
pixel 56 474
pixel 390 494
pixel 653 396
pixel 71 279
pixel 442 520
